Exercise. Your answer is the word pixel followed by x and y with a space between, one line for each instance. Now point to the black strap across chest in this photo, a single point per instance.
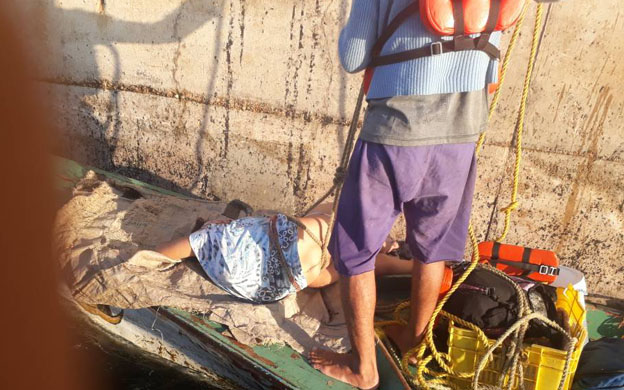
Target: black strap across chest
pixel 460 41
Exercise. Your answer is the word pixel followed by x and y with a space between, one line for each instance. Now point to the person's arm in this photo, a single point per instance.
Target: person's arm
pixel 176 249
pixel 359 35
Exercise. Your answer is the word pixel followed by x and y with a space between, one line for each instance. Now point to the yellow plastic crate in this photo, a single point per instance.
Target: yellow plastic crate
pixel 543 366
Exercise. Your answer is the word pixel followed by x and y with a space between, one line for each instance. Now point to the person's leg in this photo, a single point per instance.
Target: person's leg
pixel 437 228
pixel 358 367
pixel 426 283
pixel 366 213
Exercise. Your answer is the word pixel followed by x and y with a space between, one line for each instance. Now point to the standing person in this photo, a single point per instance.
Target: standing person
pixel 416 155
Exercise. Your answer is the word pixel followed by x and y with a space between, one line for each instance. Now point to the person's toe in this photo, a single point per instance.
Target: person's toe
pixel 315 357
pixel 313 354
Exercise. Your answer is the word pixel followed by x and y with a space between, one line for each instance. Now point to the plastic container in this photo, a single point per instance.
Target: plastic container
pixel 543 366
pixel 576 278
pixel 571 276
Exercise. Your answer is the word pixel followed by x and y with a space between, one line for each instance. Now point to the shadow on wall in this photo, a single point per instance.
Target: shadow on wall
pixel 81 33
pixel 100 133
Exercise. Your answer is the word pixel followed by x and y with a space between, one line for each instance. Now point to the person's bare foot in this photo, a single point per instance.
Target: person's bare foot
pixel 400 335
pixel 343 367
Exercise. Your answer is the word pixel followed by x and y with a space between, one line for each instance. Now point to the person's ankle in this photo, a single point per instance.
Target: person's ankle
pixel 365 369
pixel 417 339
pixel 413 337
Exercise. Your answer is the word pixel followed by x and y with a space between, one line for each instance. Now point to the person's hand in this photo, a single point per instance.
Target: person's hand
pixel 389 245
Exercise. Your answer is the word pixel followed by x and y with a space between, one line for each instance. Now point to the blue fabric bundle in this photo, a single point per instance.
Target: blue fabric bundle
pixel 601 366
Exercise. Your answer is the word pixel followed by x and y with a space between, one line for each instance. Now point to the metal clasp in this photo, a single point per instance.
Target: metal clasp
pixel 546 270
pixel 436 48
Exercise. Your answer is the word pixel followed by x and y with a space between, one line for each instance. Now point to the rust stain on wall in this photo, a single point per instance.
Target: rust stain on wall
pixel 242 31
pixel 561 95
pixel 230 84
pixel 180 126
pixel 594 129
pixel 291 94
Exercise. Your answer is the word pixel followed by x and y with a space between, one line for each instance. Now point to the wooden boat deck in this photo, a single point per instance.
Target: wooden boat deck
pixel 204 346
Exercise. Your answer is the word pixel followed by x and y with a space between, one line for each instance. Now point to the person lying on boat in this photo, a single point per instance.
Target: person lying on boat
pixel 240 257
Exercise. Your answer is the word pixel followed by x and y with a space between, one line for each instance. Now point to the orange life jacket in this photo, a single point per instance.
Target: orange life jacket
pixel 446 17
pixel 447 281
pixel 532 264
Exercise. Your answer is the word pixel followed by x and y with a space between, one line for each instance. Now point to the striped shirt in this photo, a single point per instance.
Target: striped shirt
pixel 445 73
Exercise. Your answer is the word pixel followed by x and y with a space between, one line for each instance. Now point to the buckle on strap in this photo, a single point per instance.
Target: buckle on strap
pixel 546 270
pixel 436 48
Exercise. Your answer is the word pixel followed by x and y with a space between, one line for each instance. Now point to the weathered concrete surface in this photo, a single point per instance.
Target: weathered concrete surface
pixel 159 140
pixel 246 99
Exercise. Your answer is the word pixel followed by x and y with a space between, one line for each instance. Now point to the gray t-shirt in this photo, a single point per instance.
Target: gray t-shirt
pixel 417 120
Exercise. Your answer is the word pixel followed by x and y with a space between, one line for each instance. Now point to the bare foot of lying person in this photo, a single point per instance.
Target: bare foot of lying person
pixel 343 367
pixel 403 340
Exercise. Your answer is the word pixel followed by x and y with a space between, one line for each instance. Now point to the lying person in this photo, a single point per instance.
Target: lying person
pixel 239 256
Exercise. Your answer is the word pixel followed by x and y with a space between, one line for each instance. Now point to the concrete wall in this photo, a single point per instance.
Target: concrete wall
pixel 246 99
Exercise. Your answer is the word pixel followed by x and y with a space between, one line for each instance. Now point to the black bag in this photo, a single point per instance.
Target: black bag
pixel 490 301
pixel 542 299
pixel 485 299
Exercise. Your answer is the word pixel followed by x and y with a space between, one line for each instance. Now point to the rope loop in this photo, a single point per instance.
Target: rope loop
pixel 511 207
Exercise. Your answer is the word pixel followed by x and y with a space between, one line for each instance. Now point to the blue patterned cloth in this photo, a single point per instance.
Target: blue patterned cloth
pixel 238 257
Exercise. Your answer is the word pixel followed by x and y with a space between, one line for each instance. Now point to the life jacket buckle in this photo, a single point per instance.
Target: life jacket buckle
pixel 546 270
pixel 436 48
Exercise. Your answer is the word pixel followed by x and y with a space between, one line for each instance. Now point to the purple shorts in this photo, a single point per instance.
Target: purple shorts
pixel 433 187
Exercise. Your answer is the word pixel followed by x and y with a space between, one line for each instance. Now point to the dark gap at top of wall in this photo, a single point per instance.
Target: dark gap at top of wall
pixel 225 102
